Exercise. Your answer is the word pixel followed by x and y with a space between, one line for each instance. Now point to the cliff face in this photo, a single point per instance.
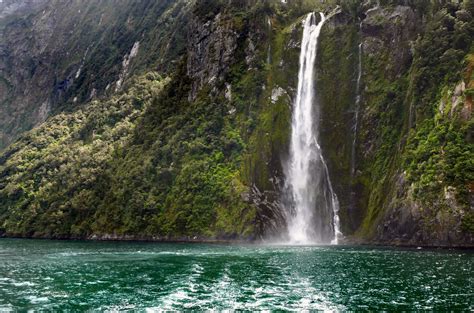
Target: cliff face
pixel 420 177
pixel 401 189
pixel 55 55
pixel 172 120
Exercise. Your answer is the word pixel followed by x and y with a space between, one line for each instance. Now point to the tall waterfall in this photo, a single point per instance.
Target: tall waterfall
pixel 314 215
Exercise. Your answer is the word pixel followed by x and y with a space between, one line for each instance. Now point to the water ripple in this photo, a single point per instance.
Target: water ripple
pixel 78 276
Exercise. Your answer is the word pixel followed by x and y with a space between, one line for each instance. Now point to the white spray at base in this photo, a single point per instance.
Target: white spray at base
pixel 314 215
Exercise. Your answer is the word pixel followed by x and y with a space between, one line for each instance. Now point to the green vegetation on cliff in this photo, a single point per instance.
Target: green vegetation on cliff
pixel 199 154
pixel 145 163
pixel 422 169
pixel 55 55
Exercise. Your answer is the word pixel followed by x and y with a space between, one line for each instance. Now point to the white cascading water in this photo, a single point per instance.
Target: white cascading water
pixel 314 217
pixel 356 112
pixel 355 128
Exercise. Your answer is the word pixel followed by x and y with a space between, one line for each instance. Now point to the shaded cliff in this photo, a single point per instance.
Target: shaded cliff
pixel 408 185
pixel 191 119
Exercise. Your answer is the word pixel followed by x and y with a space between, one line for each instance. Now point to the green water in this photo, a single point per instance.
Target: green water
pixel 66 275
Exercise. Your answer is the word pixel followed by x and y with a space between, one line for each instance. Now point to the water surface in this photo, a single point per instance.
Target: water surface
pixel 68 275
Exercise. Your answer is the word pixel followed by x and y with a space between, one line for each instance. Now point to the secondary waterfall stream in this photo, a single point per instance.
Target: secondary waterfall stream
pixel 356 113
pixel 355 129
pixel 314 215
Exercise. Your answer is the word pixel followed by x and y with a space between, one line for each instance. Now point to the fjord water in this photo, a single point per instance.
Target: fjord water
pixel 314 214
pixel 69 275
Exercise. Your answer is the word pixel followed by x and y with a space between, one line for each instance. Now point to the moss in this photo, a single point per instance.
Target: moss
pixel 420 154
pixel 468 223
pixel 269 120
pixel 336 94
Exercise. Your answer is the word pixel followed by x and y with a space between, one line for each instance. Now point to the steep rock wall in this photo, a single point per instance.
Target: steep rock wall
pixel 55 55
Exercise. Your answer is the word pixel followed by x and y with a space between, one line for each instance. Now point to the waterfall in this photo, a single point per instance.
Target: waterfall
pixel 356 113
pixel 313 217
pixel 355 129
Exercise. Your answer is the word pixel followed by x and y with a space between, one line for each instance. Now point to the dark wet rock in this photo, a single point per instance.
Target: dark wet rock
pixel 271 221
pixel 409 222
pixel 393 30
pixel 211 47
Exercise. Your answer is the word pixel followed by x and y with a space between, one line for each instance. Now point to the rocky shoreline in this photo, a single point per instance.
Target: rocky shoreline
pixel 350 241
